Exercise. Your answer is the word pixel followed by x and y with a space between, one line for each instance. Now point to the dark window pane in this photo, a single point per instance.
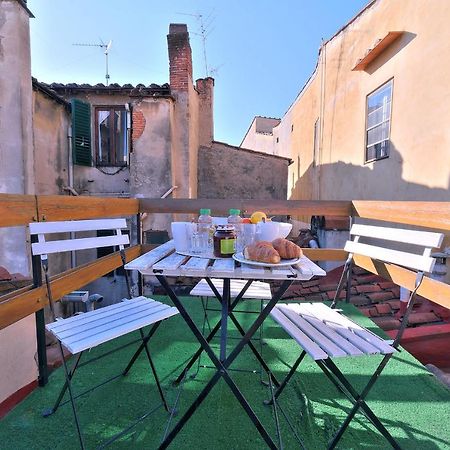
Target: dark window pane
pixel 112 147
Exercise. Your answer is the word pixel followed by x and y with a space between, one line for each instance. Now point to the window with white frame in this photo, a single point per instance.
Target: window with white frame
pixel 378 122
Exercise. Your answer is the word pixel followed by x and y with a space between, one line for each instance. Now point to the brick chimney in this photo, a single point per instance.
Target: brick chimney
pixel 180 57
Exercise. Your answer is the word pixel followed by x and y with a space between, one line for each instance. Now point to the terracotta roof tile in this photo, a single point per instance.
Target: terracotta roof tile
pixel 360 300
pixel 387 285
pixel 380 296
pixel 383 308
pixel 4 274
pixel 387 322
pixel 418 318
pixel 368 288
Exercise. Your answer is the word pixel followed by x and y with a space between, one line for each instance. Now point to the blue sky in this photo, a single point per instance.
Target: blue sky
pixel 259 52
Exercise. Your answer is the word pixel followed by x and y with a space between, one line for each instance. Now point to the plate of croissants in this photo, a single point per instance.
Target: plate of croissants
pixel 277 253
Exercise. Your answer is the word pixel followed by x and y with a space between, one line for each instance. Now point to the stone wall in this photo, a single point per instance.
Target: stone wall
pixel 231 172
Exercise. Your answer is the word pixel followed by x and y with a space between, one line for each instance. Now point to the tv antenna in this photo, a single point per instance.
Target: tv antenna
pixel 102 45
pixel 204 33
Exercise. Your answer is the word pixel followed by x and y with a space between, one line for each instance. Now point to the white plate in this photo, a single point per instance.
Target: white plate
pixel 283 263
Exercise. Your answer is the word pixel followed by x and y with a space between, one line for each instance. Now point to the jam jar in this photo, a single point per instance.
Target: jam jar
pixel 224 241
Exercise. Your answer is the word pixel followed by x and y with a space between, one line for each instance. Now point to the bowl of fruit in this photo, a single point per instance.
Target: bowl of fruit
pixel 267 230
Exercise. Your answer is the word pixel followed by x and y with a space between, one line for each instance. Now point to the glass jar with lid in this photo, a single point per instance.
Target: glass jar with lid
pixel 224 241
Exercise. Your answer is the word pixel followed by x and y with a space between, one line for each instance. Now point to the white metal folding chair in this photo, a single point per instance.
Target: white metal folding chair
pixel 324 333
pixel 87 330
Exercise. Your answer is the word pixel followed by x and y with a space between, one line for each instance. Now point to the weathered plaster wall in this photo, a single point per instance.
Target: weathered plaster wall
pixel 18 341
pixel 51 148
pixel 151 163
pixel 230 172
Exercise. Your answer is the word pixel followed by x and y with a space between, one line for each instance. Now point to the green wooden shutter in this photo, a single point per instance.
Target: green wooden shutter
pixel 81 133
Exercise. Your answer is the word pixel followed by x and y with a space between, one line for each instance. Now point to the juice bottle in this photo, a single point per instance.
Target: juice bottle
pixel 204 230
pixel 236 220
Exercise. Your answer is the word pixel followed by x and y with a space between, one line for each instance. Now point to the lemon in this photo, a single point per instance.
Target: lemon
pixel 258 216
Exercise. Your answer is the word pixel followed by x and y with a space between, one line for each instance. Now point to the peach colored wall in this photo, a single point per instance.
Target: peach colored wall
pixel 419 164
pixel 17 356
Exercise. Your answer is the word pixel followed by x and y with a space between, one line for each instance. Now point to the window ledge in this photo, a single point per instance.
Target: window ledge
pixel 377 49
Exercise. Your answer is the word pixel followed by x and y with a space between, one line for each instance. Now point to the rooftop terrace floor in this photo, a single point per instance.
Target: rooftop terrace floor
pixel 413 405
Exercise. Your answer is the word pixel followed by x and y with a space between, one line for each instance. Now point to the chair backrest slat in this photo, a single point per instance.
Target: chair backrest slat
pixel 411 260
pixel 44 246
pixel 67 245
pixel 422 238
pixel 76 225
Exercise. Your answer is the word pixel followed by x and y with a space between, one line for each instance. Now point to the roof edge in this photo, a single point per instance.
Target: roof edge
pixel 249 150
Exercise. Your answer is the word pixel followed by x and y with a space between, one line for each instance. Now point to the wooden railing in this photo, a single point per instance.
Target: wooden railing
pixel 20 210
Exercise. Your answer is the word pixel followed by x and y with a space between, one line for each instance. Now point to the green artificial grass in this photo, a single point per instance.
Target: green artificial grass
pixel 408 400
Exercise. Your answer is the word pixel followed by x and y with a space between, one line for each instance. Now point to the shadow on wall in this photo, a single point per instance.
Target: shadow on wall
pixel 381 180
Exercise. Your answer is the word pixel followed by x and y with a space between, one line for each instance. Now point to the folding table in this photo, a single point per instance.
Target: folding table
pixel 164 262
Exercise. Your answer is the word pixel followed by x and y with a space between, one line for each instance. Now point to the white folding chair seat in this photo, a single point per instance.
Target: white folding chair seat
pixel 325 333
pixel 87 330
pixel 257 290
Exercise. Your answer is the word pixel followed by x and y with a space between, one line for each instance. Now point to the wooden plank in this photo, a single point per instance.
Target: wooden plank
pixel 257 290
pixel 76 225
pixel 301 338
pixel 58 207
pixel 433 290
pixel 422 238
pixel 196 265
pixel 89 330
pixel 307 311
pixel 328 316
pixel 24 304
pixel 325 254
pixel 426 214
pixel 418 262
pixel 67 245
pixel 377 49
pixel 322 341
pixel 151 257
pixel 221 266
pixel 252 270
pixel 171 262
pixel 362 332
pixel 16 210
pixel 222 206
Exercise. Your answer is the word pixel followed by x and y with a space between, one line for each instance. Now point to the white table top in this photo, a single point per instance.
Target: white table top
pixel 163 260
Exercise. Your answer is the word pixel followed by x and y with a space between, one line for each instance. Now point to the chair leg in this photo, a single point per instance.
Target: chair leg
pixel 359 402
pixel 205 320
pixel 50 411
pixel 72 400
pixel 155 375
pixel 283 384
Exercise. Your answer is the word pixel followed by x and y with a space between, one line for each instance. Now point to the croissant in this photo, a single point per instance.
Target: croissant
pixel 287 249
pixel 262 252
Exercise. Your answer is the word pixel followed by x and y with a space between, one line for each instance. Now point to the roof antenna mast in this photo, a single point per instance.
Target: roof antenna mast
pixel 102 45
pixel 203 33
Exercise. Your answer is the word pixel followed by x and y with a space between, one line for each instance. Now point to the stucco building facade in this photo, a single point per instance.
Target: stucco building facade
pixel 375 129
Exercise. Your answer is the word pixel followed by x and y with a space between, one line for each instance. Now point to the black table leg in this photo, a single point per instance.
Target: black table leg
pixel 222 366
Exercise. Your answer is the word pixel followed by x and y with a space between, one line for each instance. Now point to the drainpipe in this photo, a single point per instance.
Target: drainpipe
pixel 73 260
pixel 128 110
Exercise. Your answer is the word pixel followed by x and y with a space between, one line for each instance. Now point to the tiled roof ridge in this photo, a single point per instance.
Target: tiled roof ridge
pixel 48 91
pixel 139 89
